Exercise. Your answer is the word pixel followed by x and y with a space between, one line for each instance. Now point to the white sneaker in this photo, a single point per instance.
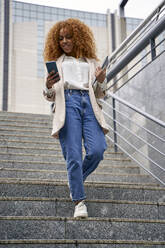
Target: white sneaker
pixel 80 210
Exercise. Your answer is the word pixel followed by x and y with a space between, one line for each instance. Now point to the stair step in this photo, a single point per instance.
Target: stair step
pixel 44 133
pixel 62 175
pixel 35 206
pixel 53 144
pixel 126 208
pixel 23 123
pixel 27 137
pixel 41 227
pixel 49 151
pixel 25 116
pixel 30 139
pixel 62 166
pixel 51 158
pixel 99 190
pixel 81 243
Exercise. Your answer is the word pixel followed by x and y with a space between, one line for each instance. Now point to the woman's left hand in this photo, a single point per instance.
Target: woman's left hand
pixel 100 74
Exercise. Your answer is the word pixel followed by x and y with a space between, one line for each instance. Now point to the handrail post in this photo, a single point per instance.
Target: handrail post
pixel 153 49
pixel 114 125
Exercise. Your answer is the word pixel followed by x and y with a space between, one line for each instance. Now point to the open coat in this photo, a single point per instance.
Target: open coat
pixel 59 98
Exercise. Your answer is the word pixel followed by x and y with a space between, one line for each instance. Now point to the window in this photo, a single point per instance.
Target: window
pixel 19 12
pixel 33 14
pixel 26 19
pixel 19 5
pixel 26 13
pixel 18 19
pixel 40 15
pixel 26 6
pixel 34 7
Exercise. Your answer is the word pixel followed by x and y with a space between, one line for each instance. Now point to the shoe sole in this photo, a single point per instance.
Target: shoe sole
pixel 81 216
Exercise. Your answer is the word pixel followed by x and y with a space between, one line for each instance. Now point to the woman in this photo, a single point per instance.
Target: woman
pixel 77 114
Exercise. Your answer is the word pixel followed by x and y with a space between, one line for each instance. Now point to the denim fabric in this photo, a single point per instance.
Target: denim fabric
pixel 80 124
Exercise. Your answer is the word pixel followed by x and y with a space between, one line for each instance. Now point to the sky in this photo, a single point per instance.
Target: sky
pixel 134 8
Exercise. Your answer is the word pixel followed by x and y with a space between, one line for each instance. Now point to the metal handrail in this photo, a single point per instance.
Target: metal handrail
pixel 125 73
pixel 139 36
pixel 153 175
pixel 136 31
pixel 138 137
pixel 146 130
pixel 148 116
pixel 161 123
pixel 144 35
pixel 146 157
pixel 137 48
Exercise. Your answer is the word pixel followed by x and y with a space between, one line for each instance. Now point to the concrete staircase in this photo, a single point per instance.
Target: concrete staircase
pixel 126 208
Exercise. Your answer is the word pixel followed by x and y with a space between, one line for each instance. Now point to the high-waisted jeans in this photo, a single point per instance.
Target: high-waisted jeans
pixel 80 124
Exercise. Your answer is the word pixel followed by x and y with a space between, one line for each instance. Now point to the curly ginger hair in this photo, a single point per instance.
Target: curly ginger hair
pixel 82 36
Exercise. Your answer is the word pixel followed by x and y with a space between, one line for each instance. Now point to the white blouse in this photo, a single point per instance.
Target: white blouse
pixel 75 73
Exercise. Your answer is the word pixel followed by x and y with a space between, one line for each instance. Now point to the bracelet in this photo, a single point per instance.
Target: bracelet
pixel 49 92
pixel 103 85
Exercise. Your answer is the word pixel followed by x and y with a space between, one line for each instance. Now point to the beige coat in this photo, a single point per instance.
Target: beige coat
pixel 59 98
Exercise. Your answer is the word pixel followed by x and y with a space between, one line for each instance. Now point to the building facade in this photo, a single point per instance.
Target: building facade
pixel 23 28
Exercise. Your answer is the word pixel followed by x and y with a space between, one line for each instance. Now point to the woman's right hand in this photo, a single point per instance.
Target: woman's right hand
pixel 52 78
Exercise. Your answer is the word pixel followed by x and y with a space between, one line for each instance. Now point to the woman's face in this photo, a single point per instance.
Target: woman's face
pixel 66 41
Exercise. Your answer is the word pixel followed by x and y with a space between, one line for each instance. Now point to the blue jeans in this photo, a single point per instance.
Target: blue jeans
pixel 80 124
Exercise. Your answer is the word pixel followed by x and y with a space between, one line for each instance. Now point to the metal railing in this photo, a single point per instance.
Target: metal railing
pixel 144 37
pixel 125 140
pixel 143 142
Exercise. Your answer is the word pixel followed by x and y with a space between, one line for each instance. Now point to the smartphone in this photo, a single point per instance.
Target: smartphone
pixel 51 66
pixel 105 63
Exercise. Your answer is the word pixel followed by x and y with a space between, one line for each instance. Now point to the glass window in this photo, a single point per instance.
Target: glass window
pixel 14 18
pixel 61 11
pixel 54 11
pixel 93 23
pixel 26 19
pixel 33 14
pixel 48 10
pixel 88 22
pixel 19 19
pixel 54 18
pixel 14 4
pixel 47 17
pixel 19 5
pixel 33 7
pixel 60 17
pixel 40 45
pixel 74 13
pixel 40 53
pixel 26 6
pixel 40 26
pixel 19 12
pixel 40 32
pixel 40 8
pixel 87 15
pixel 26 13
pixel 40 15
pixel 81 14
pixel 67 12
pixel 40 22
